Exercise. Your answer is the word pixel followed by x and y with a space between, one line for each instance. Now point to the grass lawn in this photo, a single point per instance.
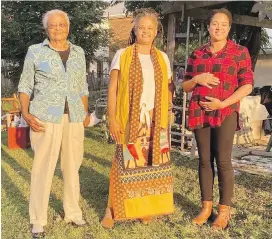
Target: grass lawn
pixel 251 212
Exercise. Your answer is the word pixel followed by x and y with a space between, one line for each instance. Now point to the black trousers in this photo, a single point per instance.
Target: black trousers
pixel 216 143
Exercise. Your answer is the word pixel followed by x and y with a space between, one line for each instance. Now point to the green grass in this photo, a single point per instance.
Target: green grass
pixel 251 212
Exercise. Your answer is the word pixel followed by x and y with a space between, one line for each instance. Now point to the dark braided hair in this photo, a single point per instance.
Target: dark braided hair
pixel 132 37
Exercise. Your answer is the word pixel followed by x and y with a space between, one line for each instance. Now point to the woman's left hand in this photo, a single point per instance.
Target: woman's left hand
pixel 214 104
pixel 86 122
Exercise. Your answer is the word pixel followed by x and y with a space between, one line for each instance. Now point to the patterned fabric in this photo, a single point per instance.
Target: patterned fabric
pixel 137 189
pixel 45 76
pixel 136 88
pixel 123 104
pixel 135 92
pixel 232 65
pixel 140 154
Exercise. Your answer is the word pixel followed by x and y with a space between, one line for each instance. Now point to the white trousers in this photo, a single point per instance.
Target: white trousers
pixel 65 138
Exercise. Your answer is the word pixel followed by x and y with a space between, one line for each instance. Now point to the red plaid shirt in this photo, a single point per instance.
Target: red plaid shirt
pixel 232 65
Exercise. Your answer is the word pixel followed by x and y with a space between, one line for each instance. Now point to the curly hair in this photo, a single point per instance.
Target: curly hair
pixel 144 12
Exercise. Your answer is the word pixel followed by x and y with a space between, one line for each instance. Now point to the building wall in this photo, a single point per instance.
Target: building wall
pixel 120 28
pixel 263 71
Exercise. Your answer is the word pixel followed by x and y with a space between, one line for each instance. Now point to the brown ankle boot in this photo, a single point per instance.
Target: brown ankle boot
pixel 205 213
pixel 107 221
pixel 223 217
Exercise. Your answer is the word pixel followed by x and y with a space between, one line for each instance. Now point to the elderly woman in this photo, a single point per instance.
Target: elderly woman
pixel 219 75
pixel 141 181
pixel 55 73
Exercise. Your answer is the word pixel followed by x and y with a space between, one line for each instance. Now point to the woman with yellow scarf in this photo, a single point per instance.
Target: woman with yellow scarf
pixel 140 90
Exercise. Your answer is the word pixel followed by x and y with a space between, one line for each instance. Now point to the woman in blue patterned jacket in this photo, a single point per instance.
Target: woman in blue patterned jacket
pixel 55 74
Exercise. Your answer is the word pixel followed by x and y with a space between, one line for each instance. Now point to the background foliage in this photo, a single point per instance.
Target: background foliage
pixel 22 27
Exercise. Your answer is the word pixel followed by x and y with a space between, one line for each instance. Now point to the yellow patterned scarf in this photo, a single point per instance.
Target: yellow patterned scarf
pixel 135 92
pixel 129 94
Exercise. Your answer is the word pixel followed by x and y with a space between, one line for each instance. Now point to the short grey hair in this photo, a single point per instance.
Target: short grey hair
pixel 51 12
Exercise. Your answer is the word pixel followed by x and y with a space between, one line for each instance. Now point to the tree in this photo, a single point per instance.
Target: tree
pixel 132 5
pixel 22 27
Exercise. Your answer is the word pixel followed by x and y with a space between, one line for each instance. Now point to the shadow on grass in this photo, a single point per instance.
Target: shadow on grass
pixel 98 160
pixel 14 195
pixel 4 142
pixel 190 209
pixel 181 161
pixel 94 189
pixel 254 182
pixel 249 181
pixel 4 139
pixel 15 165
pixel 94 133
pixel 30 153
pixel 54 203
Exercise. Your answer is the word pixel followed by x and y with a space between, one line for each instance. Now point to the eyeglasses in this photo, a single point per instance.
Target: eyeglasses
pixel 54 26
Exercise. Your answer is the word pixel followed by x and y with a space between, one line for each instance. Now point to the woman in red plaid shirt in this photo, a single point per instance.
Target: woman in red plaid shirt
pixel 219 74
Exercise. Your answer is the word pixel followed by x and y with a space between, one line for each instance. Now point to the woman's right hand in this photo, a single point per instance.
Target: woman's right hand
pixel 207 79
pixel 33 123
pixel 115 130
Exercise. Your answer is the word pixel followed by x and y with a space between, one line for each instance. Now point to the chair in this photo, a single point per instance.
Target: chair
pixel 10 105
pixel 101 113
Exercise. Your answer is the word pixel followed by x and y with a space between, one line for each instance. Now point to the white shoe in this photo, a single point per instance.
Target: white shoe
pixel 37 228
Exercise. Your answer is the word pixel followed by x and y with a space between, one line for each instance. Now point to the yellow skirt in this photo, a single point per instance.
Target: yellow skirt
pixel 138 189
